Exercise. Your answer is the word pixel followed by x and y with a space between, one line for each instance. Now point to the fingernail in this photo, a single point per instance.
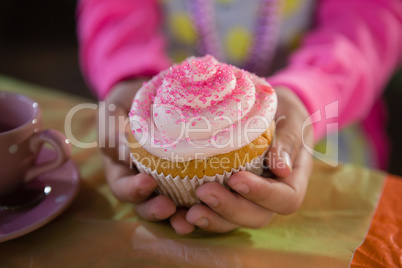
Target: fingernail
pixel 210 200
pixel 241 188
pixel 202 223
pixel 145 193
pixel 287 160
pixel 156 217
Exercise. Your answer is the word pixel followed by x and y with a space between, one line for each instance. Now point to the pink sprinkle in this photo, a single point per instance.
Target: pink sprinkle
pixel 193 124
pixel 139 130
pixel 168 111
pixel 266 89
pixel 156 114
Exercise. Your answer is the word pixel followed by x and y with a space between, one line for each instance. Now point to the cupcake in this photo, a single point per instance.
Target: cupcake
pixel 200 121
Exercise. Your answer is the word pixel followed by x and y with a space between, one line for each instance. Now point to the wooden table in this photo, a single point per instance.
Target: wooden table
pixel 99 231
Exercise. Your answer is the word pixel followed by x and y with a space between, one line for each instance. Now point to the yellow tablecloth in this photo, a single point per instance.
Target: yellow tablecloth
pixel 99 231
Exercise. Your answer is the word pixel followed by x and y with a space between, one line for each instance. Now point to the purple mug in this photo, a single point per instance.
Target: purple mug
pixel 21 140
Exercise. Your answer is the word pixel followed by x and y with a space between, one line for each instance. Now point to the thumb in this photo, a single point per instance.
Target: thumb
pixel 114 131
pixel 288 138
pixel 284 149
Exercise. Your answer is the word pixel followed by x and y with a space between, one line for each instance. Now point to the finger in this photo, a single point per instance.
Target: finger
pixel 113 129
pixel 125 184
pixel 283 195
pixel 156 209
pixel 180 224
pixel 206 219
pixel 222 201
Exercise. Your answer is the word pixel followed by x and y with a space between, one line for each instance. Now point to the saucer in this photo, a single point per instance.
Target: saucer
pixel 64 182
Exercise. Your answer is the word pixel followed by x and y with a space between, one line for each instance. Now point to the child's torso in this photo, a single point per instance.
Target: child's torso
pixel 236 24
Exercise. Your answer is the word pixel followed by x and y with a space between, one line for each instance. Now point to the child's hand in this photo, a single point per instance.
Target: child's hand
pixel 255 199
pixel 254 208
pixel 125 183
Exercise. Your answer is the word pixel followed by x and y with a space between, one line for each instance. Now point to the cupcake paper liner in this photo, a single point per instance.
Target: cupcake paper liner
pixel 182 191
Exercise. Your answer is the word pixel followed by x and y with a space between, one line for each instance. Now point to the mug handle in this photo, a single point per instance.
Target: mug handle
pixel 59 143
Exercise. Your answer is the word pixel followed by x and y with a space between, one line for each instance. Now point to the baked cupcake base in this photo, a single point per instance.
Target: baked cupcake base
pixel 207 167
pixel 182 190
pixel 180 180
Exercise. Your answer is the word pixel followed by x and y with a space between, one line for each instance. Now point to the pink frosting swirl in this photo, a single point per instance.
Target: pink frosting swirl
pixel 200 108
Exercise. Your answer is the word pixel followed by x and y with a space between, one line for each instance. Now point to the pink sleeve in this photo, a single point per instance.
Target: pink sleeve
pixel 119 39
pixel 348 57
